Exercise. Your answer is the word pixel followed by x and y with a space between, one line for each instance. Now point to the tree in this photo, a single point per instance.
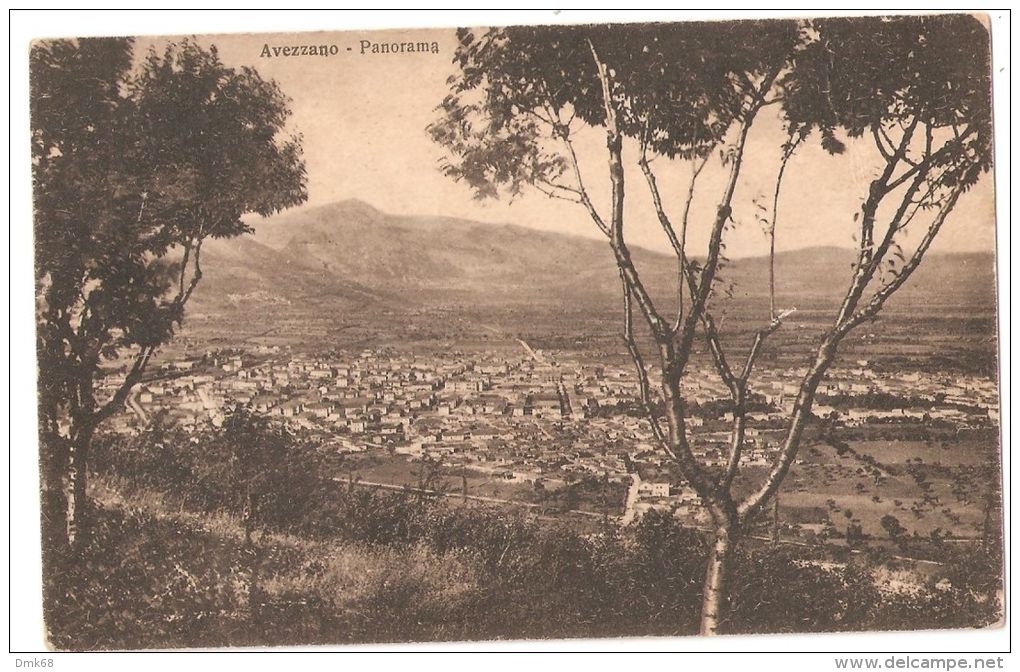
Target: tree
pixel 896 531
pixel 915 87
pixel 134 167
pixel 267 476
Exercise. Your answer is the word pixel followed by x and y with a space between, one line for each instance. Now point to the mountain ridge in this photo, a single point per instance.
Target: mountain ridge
pixel 353 255
pixel 347 207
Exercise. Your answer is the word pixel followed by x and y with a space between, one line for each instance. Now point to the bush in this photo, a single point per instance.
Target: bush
pixel 338 563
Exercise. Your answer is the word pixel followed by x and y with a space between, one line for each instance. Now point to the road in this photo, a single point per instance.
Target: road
pixel 534 355
pixel 524 344
pixel 457 495
pixel 630 508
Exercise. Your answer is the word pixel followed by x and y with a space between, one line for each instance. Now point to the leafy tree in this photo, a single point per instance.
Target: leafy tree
pixel 915 88
pixel 854 535
pixel 135 166
pixel 265 474
pixel 896 531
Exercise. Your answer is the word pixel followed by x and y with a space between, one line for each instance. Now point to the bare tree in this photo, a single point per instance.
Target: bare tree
pixel 917 88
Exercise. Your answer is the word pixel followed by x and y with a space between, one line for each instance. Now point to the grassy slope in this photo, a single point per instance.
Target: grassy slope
pixel 159 562
pixel 156 575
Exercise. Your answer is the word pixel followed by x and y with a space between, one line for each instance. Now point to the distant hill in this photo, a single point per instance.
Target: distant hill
pixel 349 255
pixel 436 255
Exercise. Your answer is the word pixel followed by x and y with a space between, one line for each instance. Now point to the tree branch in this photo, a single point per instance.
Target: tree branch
pixel 826 352
pixel 639 365
pixel 887 290
pixel 585 200
pixel 664 221
pixel 736 384
pixel 879 188
pixel 700 295
pixel 931 157
pixel 736 444
pixel 750 507
pixel 182 298
pixel 788 150
pixel 141 361
pixel 184 267
pixel 878 133
pixel 677 242
pixel 684 218
pixel 614 143
pixel 133 377
pixel 866 271
pixel 552 194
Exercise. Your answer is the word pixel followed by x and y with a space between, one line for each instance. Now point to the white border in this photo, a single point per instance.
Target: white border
pixel 26 616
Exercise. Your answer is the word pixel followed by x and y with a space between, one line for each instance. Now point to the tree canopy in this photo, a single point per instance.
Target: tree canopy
pixel 676 87
pixel 133 165
pixel 680 87
pixel 865 75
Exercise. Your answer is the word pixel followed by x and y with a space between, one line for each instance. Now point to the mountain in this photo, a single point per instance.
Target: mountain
pixel 440 256
pixel 347 257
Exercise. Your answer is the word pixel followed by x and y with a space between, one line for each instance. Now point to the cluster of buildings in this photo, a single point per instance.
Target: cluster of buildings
pixel 522 418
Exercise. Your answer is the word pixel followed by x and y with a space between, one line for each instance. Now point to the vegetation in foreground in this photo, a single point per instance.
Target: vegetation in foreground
pixel 233 538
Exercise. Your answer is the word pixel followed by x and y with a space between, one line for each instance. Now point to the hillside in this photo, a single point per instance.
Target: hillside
pixel 349 258
pixel 353 241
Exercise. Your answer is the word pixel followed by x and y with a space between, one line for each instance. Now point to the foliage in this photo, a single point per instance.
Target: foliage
pixel 261 471
pixel 873 71
pixel 352 564
pixel 678 87
pixel 134 166
pixel 130 163
pixel 892 526
pixel 778 590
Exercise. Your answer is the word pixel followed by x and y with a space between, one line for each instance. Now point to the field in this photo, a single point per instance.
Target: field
pixel 926 487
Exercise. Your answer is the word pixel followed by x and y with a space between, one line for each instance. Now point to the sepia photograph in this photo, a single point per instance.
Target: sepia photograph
pixel 516 332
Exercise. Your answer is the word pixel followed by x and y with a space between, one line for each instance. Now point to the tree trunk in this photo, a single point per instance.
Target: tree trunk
pixel 247 519
pixel 715 603
pixel 53 461
pixel 75 523
pixel 775 520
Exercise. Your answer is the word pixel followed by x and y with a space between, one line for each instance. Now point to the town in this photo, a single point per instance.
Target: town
pixel 533 419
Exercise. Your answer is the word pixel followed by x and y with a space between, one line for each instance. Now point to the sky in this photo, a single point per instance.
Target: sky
pixel 363 118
